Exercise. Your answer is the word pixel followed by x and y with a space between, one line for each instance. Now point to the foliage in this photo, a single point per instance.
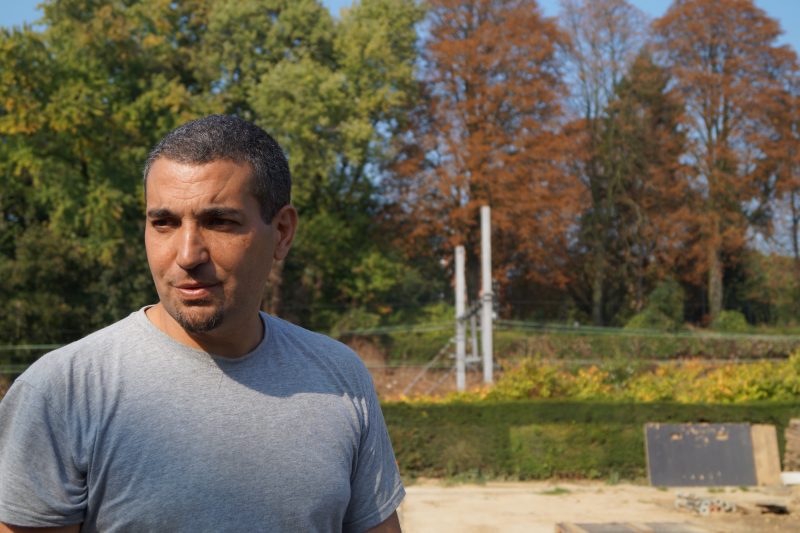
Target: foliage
pixel 431 330
pixel 531 439
pixel 486 131
pixel 354 319
pixel 664 309
pixel 395 143
pixel 691 381
pixel 85 97
pixel 726 64
pixel 333 108
pixel 650 319
pixel 769 292
pixel 614 136
pixel 730 322
pixel 586 344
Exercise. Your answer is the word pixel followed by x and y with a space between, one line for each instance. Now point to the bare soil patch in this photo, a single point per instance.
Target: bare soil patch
pixel 535 507
pixel 393 383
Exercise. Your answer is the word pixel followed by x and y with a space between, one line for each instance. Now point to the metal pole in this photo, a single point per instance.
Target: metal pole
pixel 461 324
pixel 486 293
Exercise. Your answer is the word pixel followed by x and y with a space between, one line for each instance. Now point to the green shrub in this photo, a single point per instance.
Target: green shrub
pixel 730 322
pixel 664 309
pixel 688 381
pixel 650 319
pixel 546 438
pixel 354 319
pixel 531 379
pixel 575 450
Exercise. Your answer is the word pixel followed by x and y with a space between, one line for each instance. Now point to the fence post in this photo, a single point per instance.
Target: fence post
pixel 461 324
pixel 486 293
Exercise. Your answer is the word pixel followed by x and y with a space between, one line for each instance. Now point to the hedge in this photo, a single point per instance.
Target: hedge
pixel 610 343
pixel 547 439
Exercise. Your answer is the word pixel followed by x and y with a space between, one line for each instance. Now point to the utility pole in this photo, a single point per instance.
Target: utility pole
pixel 461 323
pixel 486 294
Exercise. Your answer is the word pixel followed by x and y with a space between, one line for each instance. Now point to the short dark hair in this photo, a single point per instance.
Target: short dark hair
pixel 227 137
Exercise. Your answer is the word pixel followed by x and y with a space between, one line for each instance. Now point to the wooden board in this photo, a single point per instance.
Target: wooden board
pixel 765 454
pixel 686 455
pixel 629 527
pixel 791 453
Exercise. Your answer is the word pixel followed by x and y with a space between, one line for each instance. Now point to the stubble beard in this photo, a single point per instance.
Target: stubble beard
pixel 198 324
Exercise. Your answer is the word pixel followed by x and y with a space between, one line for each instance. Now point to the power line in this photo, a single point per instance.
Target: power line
pixel 565 329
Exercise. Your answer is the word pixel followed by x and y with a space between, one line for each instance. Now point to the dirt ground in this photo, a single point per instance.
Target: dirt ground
pixel 535 507
pixel 397 383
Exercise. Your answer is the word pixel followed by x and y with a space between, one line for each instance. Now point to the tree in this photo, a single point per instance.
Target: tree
pixel 605 36
pixel 80 104
pixel 725 62
pixel 647 217
pixel 335 115
pixel 83 100
pixel 487 132
pixel 245 39
pixel 780 168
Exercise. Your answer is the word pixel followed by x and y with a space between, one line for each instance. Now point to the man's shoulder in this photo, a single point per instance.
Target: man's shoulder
pixel 285 331
pixel 85 352
pixel 313 344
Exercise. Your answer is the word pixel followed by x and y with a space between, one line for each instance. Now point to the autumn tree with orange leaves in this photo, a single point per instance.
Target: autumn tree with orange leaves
pixel 487 132
pixel 727 66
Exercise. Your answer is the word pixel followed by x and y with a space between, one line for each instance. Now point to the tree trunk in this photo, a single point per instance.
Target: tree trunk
pixel 598 280
pixel 795 228
pixel 714 281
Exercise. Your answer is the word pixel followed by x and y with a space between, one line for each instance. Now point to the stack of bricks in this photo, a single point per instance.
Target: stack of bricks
pixel 791 455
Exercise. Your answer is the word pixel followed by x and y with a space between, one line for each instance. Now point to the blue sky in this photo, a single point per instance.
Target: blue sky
pixel 787 12
pixel 15 12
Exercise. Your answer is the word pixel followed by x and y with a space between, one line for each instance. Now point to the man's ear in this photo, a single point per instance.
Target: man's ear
pixel 285 225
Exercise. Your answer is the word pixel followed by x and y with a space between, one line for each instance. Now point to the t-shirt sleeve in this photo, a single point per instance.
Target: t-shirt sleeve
pixel 375 488
pixel 40 484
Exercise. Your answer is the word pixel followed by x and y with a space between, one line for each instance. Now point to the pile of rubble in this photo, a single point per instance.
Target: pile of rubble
pixel 703 506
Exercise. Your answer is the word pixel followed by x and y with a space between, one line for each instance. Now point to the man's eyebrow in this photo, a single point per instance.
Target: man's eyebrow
pixel 160 213
pixel 208 212
pixel 212 212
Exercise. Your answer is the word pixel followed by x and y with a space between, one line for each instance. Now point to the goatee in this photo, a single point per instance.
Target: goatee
pixel 194 324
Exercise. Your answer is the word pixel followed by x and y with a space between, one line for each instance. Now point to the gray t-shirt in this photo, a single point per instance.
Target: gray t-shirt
pixel 129 430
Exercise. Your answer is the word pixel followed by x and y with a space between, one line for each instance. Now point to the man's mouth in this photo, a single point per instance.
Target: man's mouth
pixel 195 290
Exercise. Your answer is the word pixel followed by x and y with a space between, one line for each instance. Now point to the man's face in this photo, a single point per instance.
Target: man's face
pixel 209 250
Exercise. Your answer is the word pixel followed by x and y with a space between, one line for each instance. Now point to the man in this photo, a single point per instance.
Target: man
pixel 200 413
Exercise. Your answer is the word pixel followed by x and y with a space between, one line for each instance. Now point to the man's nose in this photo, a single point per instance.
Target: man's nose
pixel 192 249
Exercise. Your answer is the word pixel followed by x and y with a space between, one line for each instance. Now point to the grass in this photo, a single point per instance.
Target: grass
pixel 555 491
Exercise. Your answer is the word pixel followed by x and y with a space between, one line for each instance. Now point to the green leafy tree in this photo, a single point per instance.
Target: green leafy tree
pixel 85 98
pixel 82 101
pixel 605 36
pixel 643 212
pixel 335 115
